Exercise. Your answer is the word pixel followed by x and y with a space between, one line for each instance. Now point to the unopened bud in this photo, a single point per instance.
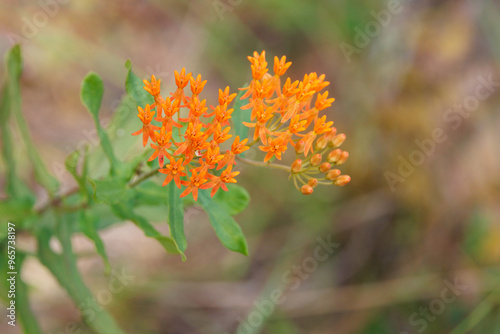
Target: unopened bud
pixel 306 189
pixel 313 182
pixel 342 180
pixel 338 140
pixel 330 135
pixel 332 174
pixel 343 158
pixel 334 155
pixel 296 166
pixel 321 143
pixel 299 146
pixel 324 167
pixel 316 159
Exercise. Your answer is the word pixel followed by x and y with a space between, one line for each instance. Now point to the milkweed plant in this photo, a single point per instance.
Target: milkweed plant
pixel 189 153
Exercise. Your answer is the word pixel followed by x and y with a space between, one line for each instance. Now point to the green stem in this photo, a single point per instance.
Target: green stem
pixel 64 269
pixel 26 316
pixel 263 164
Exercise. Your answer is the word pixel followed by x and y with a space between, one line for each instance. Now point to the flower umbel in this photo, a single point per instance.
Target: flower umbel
pixel 192 143
pixel 192 134
pixel 291 115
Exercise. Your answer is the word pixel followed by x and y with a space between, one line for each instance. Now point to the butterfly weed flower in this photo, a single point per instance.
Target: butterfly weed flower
pixel 189 141
pixel 289 115
pixel 195 148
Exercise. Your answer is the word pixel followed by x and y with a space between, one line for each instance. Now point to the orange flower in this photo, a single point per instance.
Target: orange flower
pixel 220 135
pixel 152 87
pixel 147 130
pixel 181 80
pixel 197 85
pixel 263 115
pixel 274 148
pixel 236 148
pixel 212 156
pixel 163 141
pixel 220 181
pixel 280 115
pixel 194 183
pixel 174 171
pixel 224 97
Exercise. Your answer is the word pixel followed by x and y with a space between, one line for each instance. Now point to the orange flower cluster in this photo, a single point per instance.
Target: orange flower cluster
pixel 189 136
pixel 286 114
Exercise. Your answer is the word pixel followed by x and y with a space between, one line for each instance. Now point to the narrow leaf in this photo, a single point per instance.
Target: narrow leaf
pixel 124 212
pixel 226 228
pixel 88 225
pixel 134 87
pixel 14 70
pixel 175 215
pixel 91 95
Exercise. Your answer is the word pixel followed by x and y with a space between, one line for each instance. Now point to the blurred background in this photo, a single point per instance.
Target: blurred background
pixel 411 245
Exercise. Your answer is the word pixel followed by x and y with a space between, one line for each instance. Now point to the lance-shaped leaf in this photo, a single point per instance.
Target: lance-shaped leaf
pixel 134 87
pixel 175 215
pixel 88 224
pixel 11 100
pixel 91 95
pixel 123 211
pixel 226 228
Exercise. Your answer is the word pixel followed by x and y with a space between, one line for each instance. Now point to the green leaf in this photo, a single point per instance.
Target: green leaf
pixel 111 190
pixel 134 87
pixel 175 215
pixel 226 228
pixel 15 209
pixel 91 95
pixel 92 92
pixel 124 212
pixel 88 225
pixel 234 200
pixel 63 267
pixel 239 116
pixel 11 102
pixel 150 193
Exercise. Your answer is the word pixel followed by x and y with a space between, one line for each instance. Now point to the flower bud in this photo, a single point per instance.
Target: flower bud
pixel 313 182
pixel 343 158
pixel 332 174
pixel 306 189
pixel 296 166
pixel 330 135
pixel 334 155
pixel 324 167
pixel 299 146
pixel 321 143
pixel 316 159
pixel 338 140
pixel 342 180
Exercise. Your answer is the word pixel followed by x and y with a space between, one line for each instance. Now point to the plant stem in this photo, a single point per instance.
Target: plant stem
pixel 64 269
pixel 263 164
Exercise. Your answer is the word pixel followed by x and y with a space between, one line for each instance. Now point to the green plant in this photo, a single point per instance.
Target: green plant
pixel 114 180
